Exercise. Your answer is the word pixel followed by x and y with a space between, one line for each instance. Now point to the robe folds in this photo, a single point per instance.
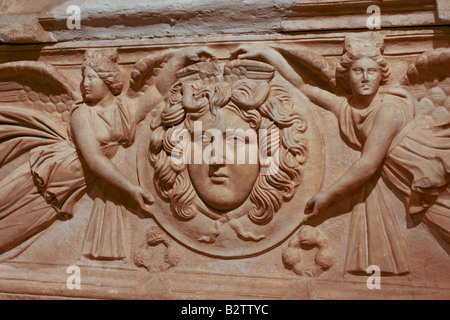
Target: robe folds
pixel 48 186
pixel 416 170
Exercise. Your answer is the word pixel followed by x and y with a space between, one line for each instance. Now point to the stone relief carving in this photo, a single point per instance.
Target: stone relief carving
pixel 219 205
pixel 147 258
pixel 70 139
pixel 187 111
pixel 297 255
pixel 402 132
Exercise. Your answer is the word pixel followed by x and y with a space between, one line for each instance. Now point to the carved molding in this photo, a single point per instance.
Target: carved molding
pixel 47 23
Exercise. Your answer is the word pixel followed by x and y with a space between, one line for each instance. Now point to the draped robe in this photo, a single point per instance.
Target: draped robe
pixel 416 169
pixel 47 187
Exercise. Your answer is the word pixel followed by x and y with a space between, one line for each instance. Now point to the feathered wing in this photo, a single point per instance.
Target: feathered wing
pixel 22 131
pixel 422 150
pixel 35 102
pixel 146 70
pixel 313 64
pixel 428 78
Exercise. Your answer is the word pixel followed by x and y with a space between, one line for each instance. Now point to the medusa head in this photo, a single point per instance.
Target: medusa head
pixel 239 141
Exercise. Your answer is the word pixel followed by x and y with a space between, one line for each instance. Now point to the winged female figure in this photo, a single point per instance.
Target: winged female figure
pixel 403 134
pixel 68 140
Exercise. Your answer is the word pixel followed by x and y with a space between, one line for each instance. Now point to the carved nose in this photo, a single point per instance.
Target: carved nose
pixel 365 77
pixel 215 157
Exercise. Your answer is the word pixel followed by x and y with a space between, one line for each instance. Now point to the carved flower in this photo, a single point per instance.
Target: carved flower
pixel 297 256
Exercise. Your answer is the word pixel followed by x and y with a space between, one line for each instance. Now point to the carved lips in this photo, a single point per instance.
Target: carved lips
pixel 217 177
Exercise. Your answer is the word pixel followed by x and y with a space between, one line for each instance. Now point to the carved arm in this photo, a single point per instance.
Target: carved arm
pixel 320 97
pixel 166 78
pixel 388 122
pixel 99 164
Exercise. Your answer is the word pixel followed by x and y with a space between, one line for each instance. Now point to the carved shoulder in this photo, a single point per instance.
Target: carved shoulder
pixel 79 123
pixel 389 120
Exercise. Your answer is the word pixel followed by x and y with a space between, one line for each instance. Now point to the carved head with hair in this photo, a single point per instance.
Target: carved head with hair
pixel 364 51
pixel 104 64
pixel 242 97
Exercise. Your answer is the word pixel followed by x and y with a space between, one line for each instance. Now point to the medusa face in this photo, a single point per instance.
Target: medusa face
pixel 235 200
pixel 246 155
pixel 229 166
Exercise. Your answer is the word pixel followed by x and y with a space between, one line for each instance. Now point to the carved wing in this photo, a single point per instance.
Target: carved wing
pixel 315 66
pixel 146 70
pixel 35 102
pixel 428 78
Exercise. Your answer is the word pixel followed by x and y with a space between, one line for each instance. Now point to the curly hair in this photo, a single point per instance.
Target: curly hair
pixel 351 56
pixel 263 106
pixel 104 63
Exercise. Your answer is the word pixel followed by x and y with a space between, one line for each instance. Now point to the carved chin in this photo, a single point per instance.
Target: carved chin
pixel 224 201
pixel 366 92
pixel 224 189
pixel 221 195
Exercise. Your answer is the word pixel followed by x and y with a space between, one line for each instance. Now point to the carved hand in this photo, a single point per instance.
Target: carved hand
pixel 270 56
pixel 181 59
pixel 191 55
pixel 317 203
pixel 142 197
pixel 257 52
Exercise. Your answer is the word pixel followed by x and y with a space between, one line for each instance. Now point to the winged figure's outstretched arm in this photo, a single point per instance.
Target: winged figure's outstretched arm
pixel 153 76
pixel 320 97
